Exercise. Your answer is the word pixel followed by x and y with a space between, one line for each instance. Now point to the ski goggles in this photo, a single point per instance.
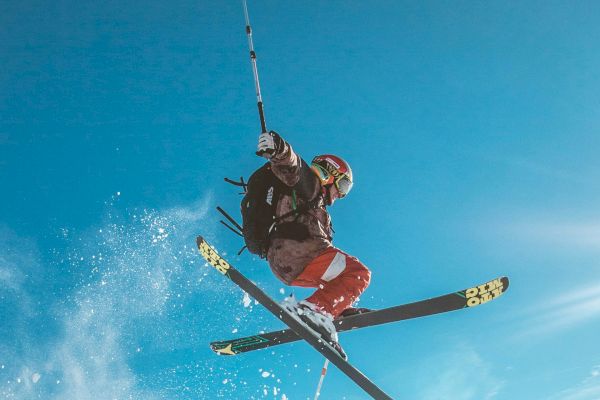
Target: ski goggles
pixel 343 185
pixel 342 182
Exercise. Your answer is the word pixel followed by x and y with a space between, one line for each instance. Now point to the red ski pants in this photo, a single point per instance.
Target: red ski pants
pixel 339 277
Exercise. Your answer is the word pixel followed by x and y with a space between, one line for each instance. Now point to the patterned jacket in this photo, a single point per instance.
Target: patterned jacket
pixel 287 255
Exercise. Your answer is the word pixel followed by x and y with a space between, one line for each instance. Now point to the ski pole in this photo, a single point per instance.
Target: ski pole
pixel 323 372
pixel 261 112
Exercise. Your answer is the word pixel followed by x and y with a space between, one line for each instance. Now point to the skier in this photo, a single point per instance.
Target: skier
pixel 301 252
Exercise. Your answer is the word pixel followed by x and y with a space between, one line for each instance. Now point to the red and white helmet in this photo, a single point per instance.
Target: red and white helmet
pixel 333 170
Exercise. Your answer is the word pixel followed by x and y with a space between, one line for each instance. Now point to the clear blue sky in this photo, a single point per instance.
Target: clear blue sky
pixel 473 129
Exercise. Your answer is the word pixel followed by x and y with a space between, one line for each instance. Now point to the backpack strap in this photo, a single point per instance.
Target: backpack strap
pixel 239 230
pixel 297 211
pixel 241 184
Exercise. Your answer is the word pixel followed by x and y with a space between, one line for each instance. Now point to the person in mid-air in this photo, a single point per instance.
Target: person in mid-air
pixel 301 252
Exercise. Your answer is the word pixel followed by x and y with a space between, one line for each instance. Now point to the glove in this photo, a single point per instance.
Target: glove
pixel 270 144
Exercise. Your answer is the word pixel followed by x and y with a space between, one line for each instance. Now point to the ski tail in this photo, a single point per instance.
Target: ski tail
pixel 256 342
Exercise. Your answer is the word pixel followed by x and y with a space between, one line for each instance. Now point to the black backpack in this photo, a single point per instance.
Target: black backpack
pixel 258 208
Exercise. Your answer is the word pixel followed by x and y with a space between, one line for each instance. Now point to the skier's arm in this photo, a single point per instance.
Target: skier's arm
pixel 288 166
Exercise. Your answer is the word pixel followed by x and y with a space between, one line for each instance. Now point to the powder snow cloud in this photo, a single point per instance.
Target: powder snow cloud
pixel 134 268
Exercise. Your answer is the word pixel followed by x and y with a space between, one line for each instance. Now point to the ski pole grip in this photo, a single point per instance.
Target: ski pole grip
pixel 269 153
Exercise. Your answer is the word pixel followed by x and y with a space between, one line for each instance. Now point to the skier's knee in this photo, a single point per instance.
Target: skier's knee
pixel 367 277
pixel 364 277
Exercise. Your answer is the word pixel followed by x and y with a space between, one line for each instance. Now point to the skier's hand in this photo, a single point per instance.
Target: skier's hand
pixel 269 144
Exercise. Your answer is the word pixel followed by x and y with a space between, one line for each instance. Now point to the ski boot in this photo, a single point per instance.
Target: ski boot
pixel 317 320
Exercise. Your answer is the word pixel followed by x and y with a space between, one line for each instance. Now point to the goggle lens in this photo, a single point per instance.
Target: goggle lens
pixel 343 185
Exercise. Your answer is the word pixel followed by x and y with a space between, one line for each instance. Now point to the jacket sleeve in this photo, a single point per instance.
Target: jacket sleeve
pixel 295 172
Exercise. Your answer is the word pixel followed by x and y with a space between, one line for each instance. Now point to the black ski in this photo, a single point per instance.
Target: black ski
pixel 453 301
pixel 301 330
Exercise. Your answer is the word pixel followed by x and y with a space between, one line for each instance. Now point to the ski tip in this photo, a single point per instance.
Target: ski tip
pixel 481 294
pixel 199 240
pixel 505 282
